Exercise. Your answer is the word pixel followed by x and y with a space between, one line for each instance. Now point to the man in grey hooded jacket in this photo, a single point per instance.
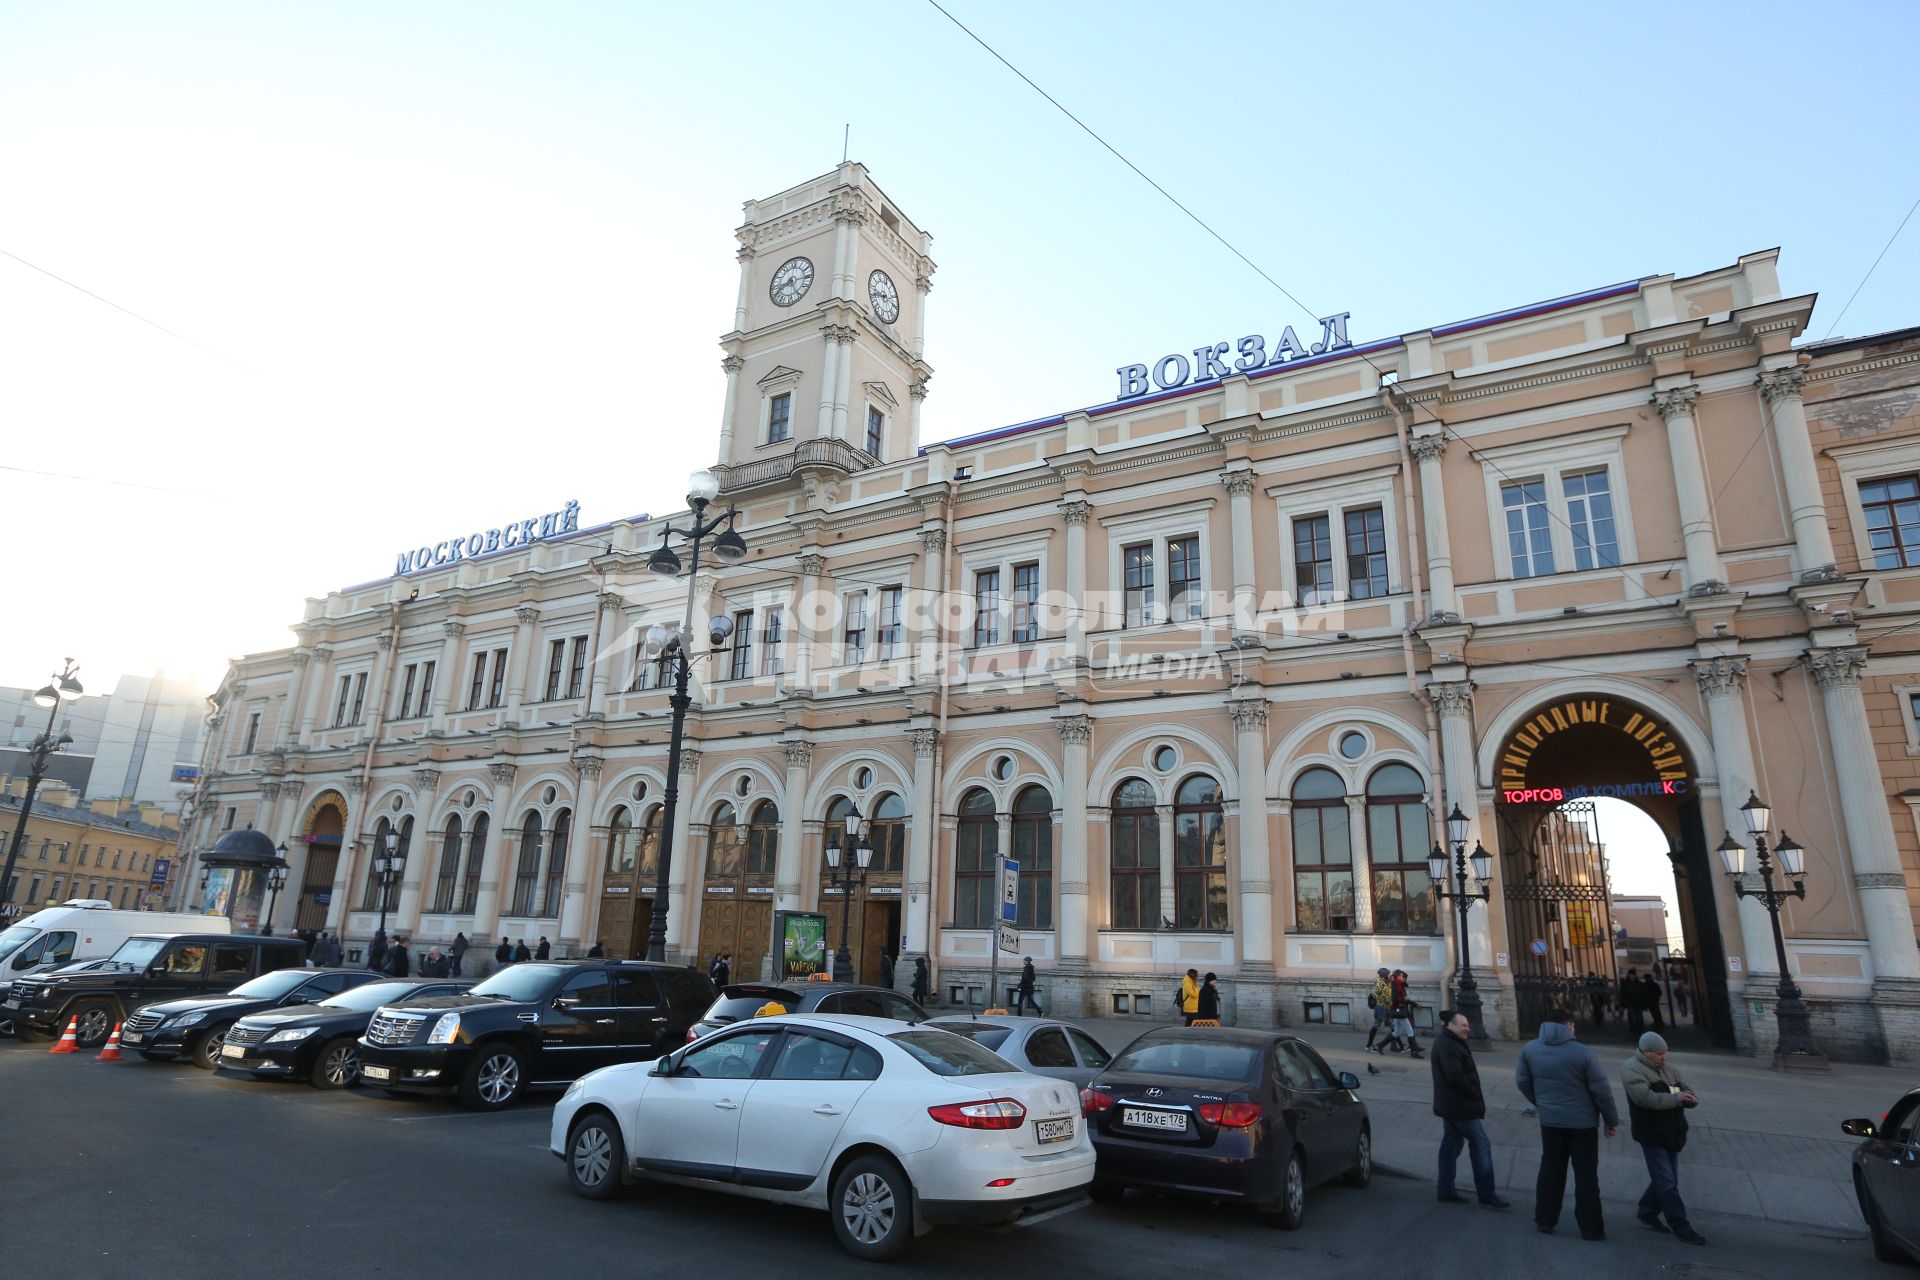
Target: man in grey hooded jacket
pixel 1564 1081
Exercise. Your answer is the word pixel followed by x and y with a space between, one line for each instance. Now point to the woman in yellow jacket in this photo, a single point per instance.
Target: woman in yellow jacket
pixel 1189 997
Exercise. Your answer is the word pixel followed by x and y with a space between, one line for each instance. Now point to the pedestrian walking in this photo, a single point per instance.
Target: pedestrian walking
pixel 544 950
pixel 1188 1001
pixel 396 963
pixel 1023 990
pixel 1657 1105
pixel 886 969
pixel 1628 998
pixel 1682 997
pixel 1462 1108
pixel 335 953
pixel 456 955
pixel 1597 997
pixel 1562 1078
pixel 1404 1036
pixel 503 954
pixel 1650 1001
pixel 922 980
pixel 377 951
pixel 436 965
pixel 520 952
pixel 1208 1006
pixel 317 955
pixel 1380 1001
pixel 721 970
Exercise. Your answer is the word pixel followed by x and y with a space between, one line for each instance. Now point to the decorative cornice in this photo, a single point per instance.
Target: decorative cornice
pixel 502 771
pixel 1719 676
pixel 1835 668
pixel 1676 402
pixel 799 754
pixel 1782 384
pixel 1430 447
pixel 925 741
pixel 1451 697
pixel 1249 715
pixel 1075 731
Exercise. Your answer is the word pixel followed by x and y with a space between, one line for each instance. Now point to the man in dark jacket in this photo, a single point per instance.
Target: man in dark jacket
pixel 457 954
pixel 1209 1007
pixel 1657 1104
pixel 396 963
pixel 1563 1080
pixel 1630 1006
pixel 503 954
pixel 435 965
pixel 1462 1109
pixel 377 951
pixel 544 950
pixel 1023 991
pixel 520 952
pixel 922 980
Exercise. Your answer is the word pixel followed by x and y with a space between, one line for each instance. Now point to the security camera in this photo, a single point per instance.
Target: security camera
pixel 718 629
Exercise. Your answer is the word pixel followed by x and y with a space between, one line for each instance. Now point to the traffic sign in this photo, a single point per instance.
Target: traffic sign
pixel 1006 937
pixel 1010 893
pixel 1538 946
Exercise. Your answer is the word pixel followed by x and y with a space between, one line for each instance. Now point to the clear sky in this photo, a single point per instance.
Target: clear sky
pixel 463 262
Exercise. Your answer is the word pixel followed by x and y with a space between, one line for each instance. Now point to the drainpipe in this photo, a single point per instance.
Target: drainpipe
pixel 373 740
pixel 1432 719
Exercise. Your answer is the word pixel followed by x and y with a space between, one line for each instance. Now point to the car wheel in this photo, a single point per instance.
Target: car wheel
pixel 872 1207
pixel 495 1078
pixel 596 1158
pixel 95 1018
pixel 206 1050
pixel 1106 1192
pixel 1290 1210
pixel 1883 1246
pixel 338 1064
pixel 1361 1172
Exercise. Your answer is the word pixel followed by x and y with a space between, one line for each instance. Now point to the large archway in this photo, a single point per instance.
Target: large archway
pixel 1566 945
pixel 322 833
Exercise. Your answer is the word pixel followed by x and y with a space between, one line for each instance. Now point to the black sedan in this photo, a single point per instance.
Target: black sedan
pixel 195 1026
pixel 745 999
pixel 1255 1117
pixel 1886 1178
pixel 319 1043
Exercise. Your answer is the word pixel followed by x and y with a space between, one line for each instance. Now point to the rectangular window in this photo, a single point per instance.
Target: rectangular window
pixel 408 674
pixel 33 889
pixel 1135 869
pixel 577 668
pixel 1529 538
pixel 225 825
pixel 426 687
pixel 855 647
pixel 1397 842
pixel 556 659
pixel 1183 578
pixel 1891 508
pixel 340 704
pixel 359 695
pixel 1025 623
pixel 742 644
pixel 1323 867
pixel 479 688
pixel 888 623
pixel 1137 584
pixel 1199 869
pixel 986 607
pixel 1366 553
pixel 1312 559
pixel 253 732
pixel 498 692
pixel 876 431
pixel 779 417
pixel 1590 513
pixel 976 872
pixel 772 634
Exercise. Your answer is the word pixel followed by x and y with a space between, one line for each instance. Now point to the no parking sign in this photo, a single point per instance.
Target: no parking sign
pixel 1538 946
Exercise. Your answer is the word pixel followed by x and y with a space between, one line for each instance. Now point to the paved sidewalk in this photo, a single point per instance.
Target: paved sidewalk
pixel 1762 1144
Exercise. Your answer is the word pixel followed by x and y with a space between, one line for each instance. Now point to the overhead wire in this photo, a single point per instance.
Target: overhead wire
pixel 171 333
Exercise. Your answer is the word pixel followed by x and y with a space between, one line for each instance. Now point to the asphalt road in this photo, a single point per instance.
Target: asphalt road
pixel 158 1171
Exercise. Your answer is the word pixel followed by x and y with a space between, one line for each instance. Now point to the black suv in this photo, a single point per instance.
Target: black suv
pixel 146 968
pixel 532 1024
pixel 195 1027
pixel 746 999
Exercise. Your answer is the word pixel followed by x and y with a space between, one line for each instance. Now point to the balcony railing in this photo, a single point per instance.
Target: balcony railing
pixel 837 454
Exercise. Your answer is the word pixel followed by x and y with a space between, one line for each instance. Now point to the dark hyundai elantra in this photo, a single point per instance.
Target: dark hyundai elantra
pixel 320 1043
pixel 1226 1114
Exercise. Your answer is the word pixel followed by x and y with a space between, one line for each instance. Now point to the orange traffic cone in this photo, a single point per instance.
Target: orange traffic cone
pixel 111 1051
pixel 70 1042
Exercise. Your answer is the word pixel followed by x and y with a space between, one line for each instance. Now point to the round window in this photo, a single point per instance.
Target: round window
pixel 1353 744
pixel 863 777
pixel 1003 768
pixel 397 802
pixel 640 789
pixel 466 801
pixel 548 795
pixel 1164 758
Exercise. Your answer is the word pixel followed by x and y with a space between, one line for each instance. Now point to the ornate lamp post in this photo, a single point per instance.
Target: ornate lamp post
pixel 388 862
pixel 669 644
pixel 1466 992
pixel 862 851
pixel 62 688
pixel 276 881
pixel 1797 1050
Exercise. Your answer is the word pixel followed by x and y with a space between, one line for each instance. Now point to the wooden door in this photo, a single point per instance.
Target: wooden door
pixel 315 884
pixel 743 928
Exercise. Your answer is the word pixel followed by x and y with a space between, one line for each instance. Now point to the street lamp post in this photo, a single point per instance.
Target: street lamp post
pixel 669 644
pixel 1466 992
pixel 62 688
pixel 388 862
pixel 862 850
pixel 276 881
pixel 1797 1050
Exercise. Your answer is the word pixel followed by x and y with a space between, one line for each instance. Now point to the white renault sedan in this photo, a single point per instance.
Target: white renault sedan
pixel 890 1127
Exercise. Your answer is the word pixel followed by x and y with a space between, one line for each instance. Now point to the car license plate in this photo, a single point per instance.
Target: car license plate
pixel 375 1073
pixel 1053 1130
pixel 233 1051
pixel 130 1037
pixel 1172 1121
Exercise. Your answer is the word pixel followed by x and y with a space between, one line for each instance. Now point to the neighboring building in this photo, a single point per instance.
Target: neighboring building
pixel 135 741
pixel 1210 660
pixel 1640 925
pixel 105 852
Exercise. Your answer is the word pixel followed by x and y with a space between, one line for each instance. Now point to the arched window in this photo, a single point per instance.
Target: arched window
pixel 370 899
pixel 1134 862
pixel 975 862
pixel 1397 843
pixel 556 863
pixel 621 845
pixel 650 847
pixel 476 861
pixel 1033 850
pixel 526 872
pixel 1199 856
pixel 763 842
pixel 449 878
pixel 1322 852
pixel 887 831
pixel 724 853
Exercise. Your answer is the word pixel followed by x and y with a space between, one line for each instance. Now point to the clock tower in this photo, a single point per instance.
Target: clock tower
pixel 825 362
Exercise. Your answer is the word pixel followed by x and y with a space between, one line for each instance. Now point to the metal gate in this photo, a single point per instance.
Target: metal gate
pixel 1559 914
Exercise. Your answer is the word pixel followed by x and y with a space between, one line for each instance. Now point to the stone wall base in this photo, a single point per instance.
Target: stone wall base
pixel 1883 1029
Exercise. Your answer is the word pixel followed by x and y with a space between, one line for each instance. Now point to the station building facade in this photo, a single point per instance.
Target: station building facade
pixel 1211 661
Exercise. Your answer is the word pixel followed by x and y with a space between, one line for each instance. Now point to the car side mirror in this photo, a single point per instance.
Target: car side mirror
pixel 1348 1080
pixel 1857 1128
pixel 566 1002
pixel 297 999
pixel 663 1066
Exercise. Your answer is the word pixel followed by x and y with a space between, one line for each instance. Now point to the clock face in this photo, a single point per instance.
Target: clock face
pixel 791 282
pixel 886 298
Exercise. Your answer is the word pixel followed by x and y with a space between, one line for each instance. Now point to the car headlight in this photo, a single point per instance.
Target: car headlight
pixel 188 1019
pixel 445 1031
pixel 289 1035
pixel 574 1088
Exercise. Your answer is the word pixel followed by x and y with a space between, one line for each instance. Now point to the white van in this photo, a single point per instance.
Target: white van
pixel 86 929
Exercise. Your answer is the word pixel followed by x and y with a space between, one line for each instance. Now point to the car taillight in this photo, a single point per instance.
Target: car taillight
pixel 1094 1100
pixel 995 1113
pixel 1230 1115
pixel 693 1033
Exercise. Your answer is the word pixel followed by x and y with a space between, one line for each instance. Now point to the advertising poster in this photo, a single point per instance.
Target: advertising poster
pixel 803 943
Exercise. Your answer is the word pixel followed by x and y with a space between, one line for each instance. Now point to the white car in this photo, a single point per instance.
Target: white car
pixel 890 1127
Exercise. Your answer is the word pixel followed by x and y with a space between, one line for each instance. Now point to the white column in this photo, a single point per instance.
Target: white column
pixel 486 900
pixel 933 548
pixel 420 862
pixel 1705 576
pixel 1721 680
pixel 1164 813
pixel 1875 858
pixel 579 871
pixel 745 258
pixel 446 673
pixel 373 712
pixel 920 837
pixel 606 626
pixel 843 392
pixel 287 729
pixel 343 882
pixel 1075 933
pixel 1239 485
pixel 1076 510
pixel 807 607
pixel 682 934
pixel 1812 540
pixel 1442 600
pixel 521 659
pixel 319 676
pixel 917 392
pixel 829 379
pixel 1453 699
pixel 791 865
pixel 923 285
pixel 1362 864
pixel 731 366
pixel 1256 863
